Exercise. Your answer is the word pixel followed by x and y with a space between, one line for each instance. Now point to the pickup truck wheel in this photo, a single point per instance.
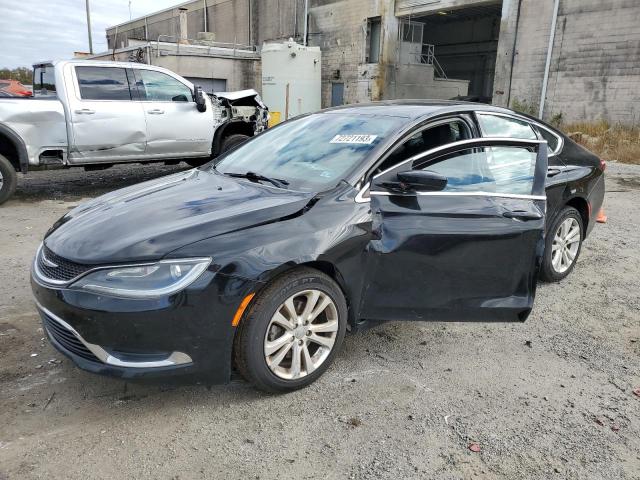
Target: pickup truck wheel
pixel 8 179
pixel 232 141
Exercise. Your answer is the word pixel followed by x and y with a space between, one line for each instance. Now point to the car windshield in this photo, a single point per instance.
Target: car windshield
pixel 313 153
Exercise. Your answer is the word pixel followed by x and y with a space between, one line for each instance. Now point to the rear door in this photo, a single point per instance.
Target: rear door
pixel 106 124
pixel 175 127
pixel 470 252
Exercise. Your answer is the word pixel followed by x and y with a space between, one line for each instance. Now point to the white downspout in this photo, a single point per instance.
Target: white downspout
pixel 552 36
pixel 306 15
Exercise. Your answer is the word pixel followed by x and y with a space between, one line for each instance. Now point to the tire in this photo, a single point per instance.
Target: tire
pixel 570 219
pixel 257 327
pixel 232 141
pixel 8 179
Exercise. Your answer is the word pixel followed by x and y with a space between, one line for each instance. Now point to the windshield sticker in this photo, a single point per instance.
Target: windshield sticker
pixel 359 139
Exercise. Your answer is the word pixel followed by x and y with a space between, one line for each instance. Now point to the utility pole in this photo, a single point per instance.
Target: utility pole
pixel 89 27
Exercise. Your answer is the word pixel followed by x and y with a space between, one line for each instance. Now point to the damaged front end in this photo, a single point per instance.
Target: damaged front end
pixel 241 106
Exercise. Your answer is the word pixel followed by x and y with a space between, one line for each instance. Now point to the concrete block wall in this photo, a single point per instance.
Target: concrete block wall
pixel 229 19
pixel 595 66
pixel 338 27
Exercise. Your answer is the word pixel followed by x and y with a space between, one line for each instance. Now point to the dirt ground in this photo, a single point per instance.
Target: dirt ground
pixel 550 398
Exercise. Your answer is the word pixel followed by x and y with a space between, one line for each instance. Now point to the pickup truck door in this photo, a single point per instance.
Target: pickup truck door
pixel 468 252
pixel 175 127
pixel 106 123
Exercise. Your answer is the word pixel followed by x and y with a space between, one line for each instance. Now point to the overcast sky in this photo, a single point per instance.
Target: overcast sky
pixel 34 30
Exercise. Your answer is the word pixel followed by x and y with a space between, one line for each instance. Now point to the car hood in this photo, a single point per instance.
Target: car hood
pixel 149 220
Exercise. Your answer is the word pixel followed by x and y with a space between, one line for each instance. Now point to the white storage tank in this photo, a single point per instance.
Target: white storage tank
pixel 290 79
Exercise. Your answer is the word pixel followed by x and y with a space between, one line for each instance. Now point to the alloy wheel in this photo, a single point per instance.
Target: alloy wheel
pixel 301 334
pixel 1 180
pixel 566 244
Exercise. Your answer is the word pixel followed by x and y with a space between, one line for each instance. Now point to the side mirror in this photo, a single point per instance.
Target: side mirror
pixel 422 180
pixel 198 96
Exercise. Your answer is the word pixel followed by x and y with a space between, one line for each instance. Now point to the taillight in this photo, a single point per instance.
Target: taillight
pixel 603 165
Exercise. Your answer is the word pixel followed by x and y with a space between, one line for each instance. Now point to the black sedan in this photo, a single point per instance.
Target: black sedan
pixel 259 264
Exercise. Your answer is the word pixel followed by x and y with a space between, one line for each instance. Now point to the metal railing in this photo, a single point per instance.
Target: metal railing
pixel 427 57
pixel 191 42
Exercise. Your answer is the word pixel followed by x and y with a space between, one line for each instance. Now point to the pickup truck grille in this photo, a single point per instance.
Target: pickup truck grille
pixel 54 267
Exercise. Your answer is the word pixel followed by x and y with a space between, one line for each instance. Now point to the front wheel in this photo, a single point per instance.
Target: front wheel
pixel 232 141
pixel 8 179
pixel 563 245
pixel 291 332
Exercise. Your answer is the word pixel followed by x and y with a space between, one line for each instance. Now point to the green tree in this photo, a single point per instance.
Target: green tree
pixel 22 74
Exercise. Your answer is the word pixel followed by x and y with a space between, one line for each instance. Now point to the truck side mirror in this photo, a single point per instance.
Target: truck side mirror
pixel 198 96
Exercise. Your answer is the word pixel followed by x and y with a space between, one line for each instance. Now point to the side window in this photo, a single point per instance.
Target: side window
pixel 427 139
pixel 159 87
pixel 103 83
pixel 508 170
pixel 373 40
pixel 505 127
pixel 552 140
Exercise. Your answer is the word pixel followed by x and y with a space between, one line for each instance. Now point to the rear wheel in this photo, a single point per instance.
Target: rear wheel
pixel 563 245
pixel 8 179
pixel 292 331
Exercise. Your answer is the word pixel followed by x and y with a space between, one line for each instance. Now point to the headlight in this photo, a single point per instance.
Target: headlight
pixel 144 281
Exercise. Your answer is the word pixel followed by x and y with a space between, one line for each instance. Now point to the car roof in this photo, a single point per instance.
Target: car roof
pixel 416 109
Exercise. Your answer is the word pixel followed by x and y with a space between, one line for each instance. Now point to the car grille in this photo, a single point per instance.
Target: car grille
pixel 64 270
pixel 67 339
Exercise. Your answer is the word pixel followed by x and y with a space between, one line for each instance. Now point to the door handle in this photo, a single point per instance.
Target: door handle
pixel 85 111
pixel 155 111
pixel 522 215
pixel 552 172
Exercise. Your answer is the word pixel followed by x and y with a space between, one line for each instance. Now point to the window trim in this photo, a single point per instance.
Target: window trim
pixel 514 116
pixel 78 92
pixel 485 142
pixel 419 128
pixel 368 38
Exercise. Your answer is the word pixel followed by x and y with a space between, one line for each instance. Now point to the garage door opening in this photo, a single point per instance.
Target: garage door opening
pixel 464 42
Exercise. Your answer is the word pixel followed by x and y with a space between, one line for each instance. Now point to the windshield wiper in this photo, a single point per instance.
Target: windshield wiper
pixel 278 182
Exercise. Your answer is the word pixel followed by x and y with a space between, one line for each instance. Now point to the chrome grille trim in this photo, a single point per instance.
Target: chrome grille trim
pixel 176 358
pixel 43 266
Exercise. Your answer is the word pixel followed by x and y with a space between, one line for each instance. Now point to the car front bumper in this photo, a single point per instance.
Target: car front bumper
pixel 187 336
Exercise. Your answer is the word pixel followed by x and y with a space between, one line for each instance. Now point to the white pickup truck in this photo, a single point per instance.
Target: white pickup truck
pixel 95 114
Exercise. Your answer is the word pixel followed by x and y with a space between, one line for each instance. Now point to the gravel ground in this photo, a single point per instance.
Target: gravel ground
pixel 550 398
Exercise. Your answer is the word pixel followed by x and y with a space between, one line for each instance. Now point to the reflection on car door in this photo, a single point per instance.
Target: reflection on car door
pixel 106 125
pixel 469 252
pixel 175 127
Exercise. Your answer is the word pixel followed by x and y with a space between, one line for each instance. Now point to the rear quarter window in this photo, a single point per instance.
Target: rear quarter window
pixel 553 141
pixel 44 81
pixel 505 127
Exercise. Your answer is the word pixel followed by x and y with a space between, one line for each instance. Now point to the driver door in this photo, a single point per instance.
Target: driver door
pixel 465 251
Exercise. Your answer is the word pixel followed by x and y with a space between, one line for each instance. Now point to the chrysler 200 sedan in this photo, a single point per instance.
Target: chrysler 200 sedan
pixel 444 211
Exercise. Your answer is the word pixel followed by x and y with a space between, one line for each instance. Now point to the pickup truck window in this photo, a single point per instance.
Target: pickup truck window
pixel 44 81
pixel 159 87
pixel 103 83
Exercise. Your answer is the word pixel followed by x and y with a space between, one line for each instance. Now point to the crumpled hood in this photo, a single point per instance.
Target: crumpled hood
pixel 149 220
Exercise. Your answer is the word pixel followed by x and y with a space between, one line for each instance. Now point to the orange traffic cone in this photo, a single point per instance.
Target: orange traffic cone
pixel 602 217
